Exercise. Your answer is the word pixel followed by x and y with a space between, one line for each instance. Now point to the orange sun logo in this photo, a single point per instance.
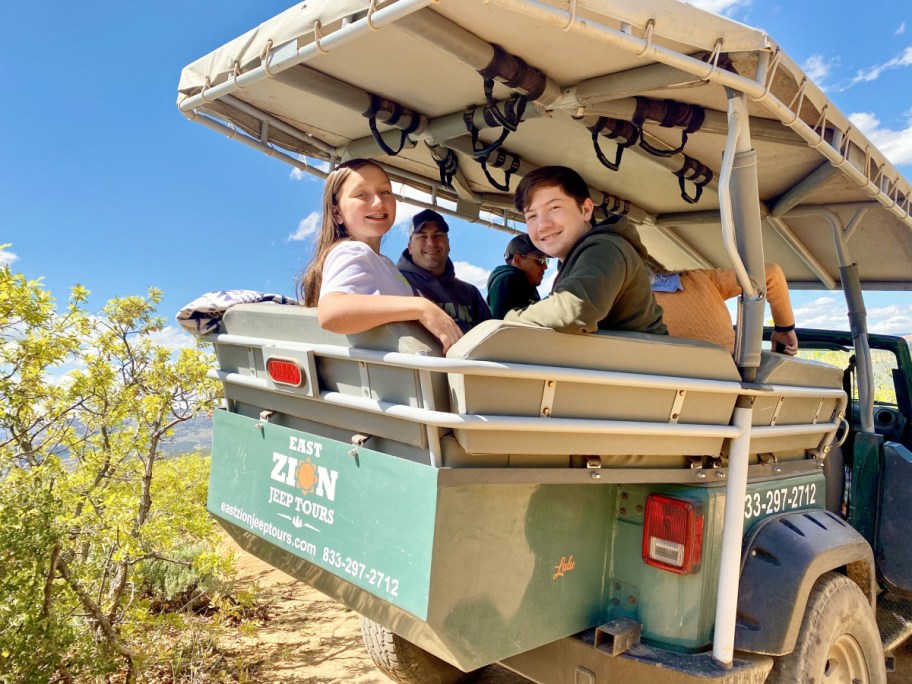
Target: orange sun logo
pixel 306 476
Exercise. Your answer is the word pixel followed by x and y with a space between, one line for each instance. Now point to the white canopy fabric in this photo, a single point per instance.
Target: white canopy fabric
pixel 303 83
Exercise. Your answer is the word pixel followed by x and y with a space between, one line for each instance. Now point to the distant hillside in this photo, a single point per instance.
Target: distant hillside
pixel 192 435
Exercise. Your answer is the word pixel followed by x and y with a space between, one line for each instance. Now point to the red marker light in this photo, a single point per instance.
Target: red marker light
pixel 285 372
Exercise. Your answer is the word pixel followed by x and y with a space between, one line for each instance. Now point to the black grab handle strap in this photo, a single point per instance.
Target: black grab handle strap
pixel 699 174
pixel 397 112
pixel 499 163
pixel 623 132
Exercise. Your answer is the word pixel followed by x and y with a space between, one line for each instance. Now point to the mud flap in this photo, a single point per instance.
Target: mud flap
pixel 893 551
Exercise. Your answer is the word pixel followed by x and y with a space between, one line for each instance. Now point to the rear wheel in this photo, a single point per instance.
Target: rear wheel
pixel 839 642
pixel 403 662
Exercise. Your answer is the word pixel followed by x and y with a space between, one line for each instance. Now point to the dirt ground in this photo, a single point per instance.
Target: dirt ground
pixel 314 640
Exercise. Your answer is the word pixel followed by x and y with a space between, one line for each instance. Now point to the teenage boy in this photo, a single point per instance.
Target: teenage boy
pixel 601 283
pixel 426 265
pixel 514 285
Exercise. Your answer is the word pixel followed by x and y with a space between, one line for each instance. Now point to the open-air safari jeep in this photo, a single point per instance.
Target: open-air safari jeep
pixel 606 508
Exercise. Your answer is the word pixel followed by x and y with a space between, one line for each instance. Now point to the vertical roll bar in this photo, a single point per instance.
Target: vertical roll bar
pixel 739 206
pixel 732 532
pixel 858 316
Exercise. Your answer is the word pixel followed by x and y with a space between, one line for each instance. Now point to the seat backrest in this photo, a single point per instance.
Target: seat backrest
pixel 627 352
pixel 300 324
pixel 776 409
pixel 779 369
pixel 274 324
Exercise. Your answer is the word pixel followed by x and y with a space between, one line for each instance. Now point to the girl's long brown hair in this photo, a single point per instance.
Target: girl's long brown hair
pixel 310 281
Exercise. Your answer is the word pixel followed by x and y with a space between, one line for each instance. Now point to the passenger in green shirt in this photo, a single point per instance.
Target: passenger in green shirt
pixel 514 285
pixel 602 282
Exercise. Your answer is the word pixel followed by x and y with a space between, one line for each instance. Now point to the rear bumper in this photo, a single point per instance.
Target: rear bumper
pixel 576 660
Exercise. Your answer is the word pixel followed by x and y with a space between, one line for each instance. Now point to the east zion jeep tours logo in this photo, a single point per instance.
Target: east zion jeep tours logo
pixel 308 478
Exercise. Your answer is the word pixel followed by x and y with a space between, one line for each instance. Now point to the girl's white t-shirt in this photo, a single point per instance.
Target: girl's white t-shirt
pixel 353 267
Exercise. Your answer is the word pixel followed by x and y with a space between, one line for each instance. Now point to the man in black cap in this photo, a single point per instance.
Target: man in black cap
pixel 513 285
pixel 426 264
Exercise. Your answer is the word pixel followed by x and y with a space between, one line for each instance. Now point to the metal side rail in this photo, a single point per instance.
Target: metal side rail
pixel 520 370
pixel 446 419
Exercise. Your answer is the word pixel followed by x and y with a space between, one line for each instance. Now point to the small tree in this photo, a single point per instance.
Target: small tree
pixel 82 516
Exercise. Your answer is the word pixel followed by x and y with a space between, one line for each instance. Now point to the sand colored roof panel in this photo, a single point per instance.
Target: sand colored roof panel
pixel 596 61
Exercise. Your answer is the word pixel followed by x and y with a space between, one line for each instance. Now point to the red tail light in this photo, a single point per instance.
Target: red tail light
pixel 284 372
pixel 673 534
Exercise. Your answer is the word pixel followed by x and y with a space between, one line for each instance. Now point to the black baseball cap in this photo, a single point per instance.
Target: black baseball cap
pixel 427 216
pixel 522 245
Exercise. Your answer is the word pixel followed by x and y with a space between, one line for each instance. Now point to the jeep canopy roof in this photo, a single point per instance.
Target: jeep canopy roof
pixel 569 82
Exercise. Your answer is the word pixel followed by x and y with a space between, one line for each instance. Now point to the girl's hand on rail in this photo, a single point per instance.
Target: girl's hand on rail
pixel 439 323
pixel 784 342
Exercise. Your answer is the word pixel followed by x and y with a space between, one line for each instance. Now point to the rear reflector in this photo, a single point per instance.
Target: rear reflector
pixel 284 372
pixel 673 534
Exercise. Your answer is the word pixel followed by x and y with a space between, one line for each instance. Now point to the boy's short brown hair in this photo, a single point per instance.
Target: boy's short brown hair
pixel 562 177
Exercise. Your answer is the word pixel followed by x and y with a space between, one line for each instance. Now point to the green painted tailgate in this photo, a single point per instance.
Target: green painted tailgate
pixel 367 517
pixel 473 572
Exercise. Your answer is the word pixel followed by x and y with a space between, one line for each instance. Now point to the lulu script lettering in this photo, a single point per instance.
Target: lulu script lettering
pixel 566 565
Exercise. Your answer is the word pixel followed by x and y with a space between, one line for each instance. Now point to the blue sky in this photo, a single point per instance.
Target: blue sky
pixel 108 185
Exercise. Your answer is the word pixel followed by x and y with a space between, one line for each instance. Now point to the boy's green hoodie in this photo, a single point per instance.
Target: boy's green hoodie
pixel 602 285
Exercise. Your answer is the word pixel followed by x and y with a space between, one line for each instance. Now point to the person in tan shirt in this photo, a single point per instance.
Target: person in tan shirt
pixel 693 304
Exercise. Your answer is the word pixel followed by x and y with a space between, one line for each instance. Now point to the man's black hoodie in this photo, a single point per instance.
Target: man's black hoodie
pixel 462 301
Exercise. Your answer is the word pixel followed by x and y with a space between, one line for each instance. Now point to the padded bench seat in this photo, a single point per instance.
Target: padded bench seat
pixel 790 371
pixel 626 352
pixel 686 367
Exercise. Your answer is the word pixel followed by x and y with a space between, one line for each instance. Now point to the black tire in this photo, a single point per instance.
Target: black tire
pixel 839 642
pixel 403 662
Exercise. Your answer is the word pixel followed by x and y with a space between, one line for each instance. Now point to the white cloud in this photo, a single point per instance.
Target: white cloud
pixel 299 174
pixel 476 275
pixel 896 145
pixel 900 30
pixel 818 68
pixel 59 378
pixel 720 6
pixel 874 72
pixel 823 312
pixel 307 227
pixel 174 338
pixel 890 320
pixel 865 121
pixel 7 258
pixel 831 313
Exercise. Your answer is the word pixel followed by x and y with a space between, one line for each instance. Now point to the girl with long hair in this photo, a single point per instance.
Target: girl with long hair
pixel 354 287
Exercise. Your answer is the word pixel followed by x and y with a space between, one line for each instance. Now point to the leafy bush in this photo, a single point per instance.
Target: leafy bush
pixel 99 532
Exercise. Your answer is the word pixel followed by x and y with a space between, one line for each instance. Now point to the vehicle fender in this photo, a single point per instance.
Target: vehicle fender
pixel 784 555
